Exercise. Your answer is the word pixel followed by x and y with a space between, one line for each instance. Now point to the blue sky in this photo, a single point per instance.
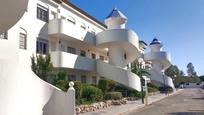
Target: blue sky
pixel 179 24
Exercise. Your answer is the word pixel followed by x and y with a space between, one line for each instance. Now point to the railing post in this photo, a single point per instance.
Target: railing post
pixel 71 96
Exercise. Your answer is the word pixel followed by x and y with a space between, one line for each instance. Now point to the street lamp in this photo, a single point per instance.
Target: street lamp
pixel 147 80
pixel 141 64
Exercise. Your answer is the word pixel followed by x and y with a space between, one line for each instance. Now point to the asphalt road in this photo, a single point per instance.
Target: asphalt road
pixel 187 102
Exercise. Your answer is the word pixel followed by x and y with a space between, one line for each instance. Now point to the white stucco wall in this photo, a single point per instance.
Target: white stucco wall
pixel 21 91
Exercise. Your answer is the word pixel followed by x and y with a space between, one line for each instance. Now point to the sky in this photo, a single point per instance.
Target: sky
pixel 178 24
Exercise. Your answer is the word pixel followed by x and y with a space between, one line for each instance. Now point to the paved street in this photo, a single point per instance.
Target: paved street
pixel 187 102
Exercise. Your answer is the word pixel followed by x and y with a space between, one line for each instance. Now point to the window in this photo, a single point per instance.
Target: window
pixel 42 46
pixel 22 41
pixel 83 79
pixel 125 56
pixel 4 35
pixel 94 79
pixel 83 26
pixel 101 57
pixel 83 53
pixel 71 50
pixel 93 56
pixel 72 77
pixel 71 20
pixel 42 13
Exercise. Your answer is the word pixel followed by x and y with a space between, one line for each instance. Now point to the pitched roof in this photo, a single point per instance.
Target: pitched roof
pixel 81 11
pixel 155 41
pixel 116 13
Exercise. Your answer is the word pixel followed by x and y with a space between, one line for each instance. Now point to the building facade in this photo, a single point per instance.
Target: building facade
pixel 161 61
pixel 77 42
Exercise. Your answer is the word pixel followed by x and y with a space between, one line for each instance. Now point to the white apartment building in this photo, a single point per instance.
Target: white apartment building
pixel 161 61
pixel 77 42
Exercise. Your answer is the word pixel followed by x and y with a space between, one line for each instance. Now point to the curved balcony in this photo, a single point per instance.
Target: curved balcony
pixel 123 47
pixel 162 57
pixel 120 75
pixel 67 60
pixel 59 28
pixel 11 11
pixel 124 38
pixel 162 79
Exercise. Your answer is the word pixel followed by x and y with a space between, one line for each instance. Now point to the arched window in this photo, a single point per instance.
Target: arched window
pixel 71 19
pixel 83 26
pixel 23 39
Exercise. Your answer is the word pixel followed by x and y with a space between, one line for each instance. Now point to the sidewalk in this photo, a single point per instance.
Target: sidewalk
pixel 130 106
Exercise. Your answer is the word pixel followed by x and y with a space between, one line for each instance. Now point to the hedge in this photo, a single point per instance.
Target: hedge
pixel 113 96
pixel 91 93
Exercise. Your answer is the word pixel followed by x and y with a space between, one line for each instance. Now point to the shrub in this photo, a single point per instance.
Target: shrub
pixel 111 85
pixel 166 89
pixel 151 89
pixel 62 75
pixel 78 91
pixel 91 93
pixel 62 84
pixel 103 85
pixel 113 95
pixel 152 85
pixel 134 93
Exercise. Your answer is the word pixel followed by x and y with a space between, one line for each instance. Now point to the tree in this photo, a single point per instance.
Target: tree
pixel 191 70
pixel 172 71
pixel 202 78
pixel 181 73
pixel 41 65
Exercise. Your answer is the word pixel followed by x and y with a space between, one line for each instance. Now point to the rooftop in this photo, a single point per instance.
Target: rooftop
pixel 116 13
pixel 155 41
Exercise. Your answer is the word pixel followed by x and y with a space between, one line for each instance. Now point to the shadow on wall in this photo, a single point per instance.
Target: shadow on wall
pixel 84 63
pixel 90 38
pixel 44 31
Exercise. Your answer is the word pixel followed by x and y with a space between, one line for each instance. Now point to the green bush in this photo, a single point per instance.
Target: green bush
pixel 113 95
pixel 78 91
pixel 151 89
pixel 166 89
pixel 134 93
pixel 61 75
pixel 152 85
pixel 103 85
pixel 91 93
pixel 62 84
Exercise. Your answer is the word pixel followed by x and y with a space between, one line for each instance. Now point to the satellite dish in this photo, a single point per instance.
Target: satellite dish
pixel 11 12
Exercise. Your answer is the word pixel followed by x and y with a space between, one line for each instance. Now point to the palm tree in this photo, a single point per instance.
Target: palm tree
pixel 135 68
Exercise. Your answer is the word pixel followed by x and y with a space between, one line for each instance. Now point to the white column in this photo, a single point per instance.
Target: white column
pixel 116 56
